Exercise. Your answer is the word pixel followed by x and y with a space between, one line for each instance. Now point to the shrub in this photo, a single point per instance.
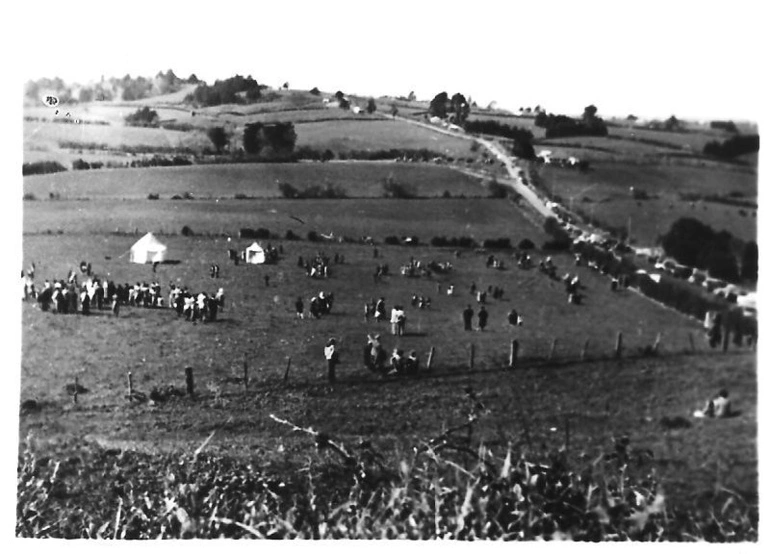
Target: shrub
pixel 312 236
pixel 526 244
pixel 40 168
pixel 438 242
pixel 80 164
pixel 187 232
pixel 393 189
pixel 29 196
pixel 153 196
pixel 392 240
pixel 732 147
pixel 556 245
pixel 495 189
pixel 497 244
pixel 143 117
pixel 560 238
pixel 288 190
pixel 262 233
pixel 291 235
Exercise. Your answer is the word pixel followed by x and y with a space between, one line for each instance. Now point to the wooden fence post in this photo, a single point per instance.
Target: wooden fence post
pixel 692 342
pixel 471 357
pixel 188 372
pixel 130 387
pixel 553 349
pixel 286 374
pixel 566 433
pixel 619 345
pixel 584 352
pixel 514 354
pixel 657 343
pixel 430 358
pixel 245 373
pixel 77 386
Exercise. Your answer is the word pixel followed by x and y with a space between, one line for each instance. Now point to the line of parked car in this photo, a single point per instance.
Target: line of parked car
pixel 747 300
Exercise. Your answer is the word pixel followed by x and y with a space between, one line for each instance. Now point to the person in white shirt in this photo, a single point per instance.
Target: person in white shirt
pixel 332 358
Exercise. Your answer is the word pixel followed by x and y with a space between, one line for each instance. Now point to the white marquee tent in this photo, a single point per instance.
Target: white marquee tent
pixel 148 249
pixel 255 254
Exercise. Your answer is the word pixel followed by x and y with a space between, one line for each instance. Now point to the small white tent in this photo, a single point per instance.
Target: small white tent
pixel 148 249
pixel 255 254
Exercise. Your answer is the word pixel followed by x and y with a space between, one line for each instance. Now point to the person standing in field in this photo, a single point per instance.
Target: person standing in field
pixel 483 315
pixel 394 320
pixel 332 358
pixel 299 307
pixel 401 322
pixel 468 317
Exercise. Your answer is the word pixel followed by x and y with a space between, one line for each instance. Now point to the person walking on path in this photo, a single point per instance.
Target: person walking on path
pixel 483 315
pixel 332 358
pixel 467 317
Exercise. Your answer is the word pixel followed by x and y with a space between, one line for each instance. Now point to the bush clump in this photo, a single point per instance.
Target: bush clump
pixel 497 244
pixel 40 168
pixel 526 244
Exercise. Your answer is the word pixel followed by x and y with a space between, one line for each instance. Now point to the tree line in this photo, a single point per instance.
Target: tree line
pixel 557 126
pixel 695 244
pixel 732 147
pixel 124 88
pixel 235 90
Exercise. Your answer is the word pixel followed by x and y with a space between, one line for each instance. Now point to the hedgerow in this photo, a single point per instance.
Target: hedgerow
pixel 448 487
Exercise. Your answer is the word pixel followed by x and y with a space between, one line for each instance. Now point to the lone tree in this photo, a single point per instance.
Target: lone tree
pixel 393 110
pixel 461 107
pixel 371 107
pixel 438 105
pixel 218 137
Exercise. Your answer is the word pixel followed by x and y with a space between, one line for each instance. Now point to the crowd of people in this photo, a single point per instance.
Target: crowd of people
pixel 376 359
pixel 89 293
pixel 318 266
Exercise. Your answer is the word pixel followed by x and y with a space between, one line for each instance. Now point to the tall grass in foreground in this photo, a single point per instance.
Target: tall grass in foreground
pixel 444 488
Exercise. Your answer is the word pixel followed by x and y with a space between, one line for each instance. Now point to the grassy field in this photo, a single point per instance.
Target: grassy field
pixel 607 186
pixel 344 136
pixel 480 219
pixel 601 398
pixel 102 213
pixel 50 135
pixel 363 179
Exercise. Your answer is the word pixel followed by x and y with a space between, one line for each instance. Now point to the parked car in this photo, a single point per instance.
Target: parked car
pixel 681 271
pixel 711 284
pixel 697 277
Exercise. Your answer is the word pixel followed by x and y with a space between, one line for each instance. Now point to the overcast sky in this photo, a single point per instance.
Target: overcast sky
pixel 652 58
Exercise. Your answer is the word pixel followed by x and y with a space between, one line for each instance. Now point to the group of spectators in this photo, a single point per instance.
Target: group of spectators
pixel 194 307
pixel 320 305
pixel 72 296
pixel 318 266
pixel 376 359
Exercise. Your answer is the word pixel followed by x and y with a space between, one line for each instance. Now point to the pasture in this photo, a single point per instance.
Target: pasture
pixel 601 397
pixel 568 387
pixel 50 135
pixel 603 193
pixel 358 179
pixel 347 135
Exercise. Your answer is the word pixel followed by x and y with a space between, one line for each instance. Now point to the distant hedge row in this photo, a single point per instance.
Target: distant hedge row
pixel 40 168
pixel 732 147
